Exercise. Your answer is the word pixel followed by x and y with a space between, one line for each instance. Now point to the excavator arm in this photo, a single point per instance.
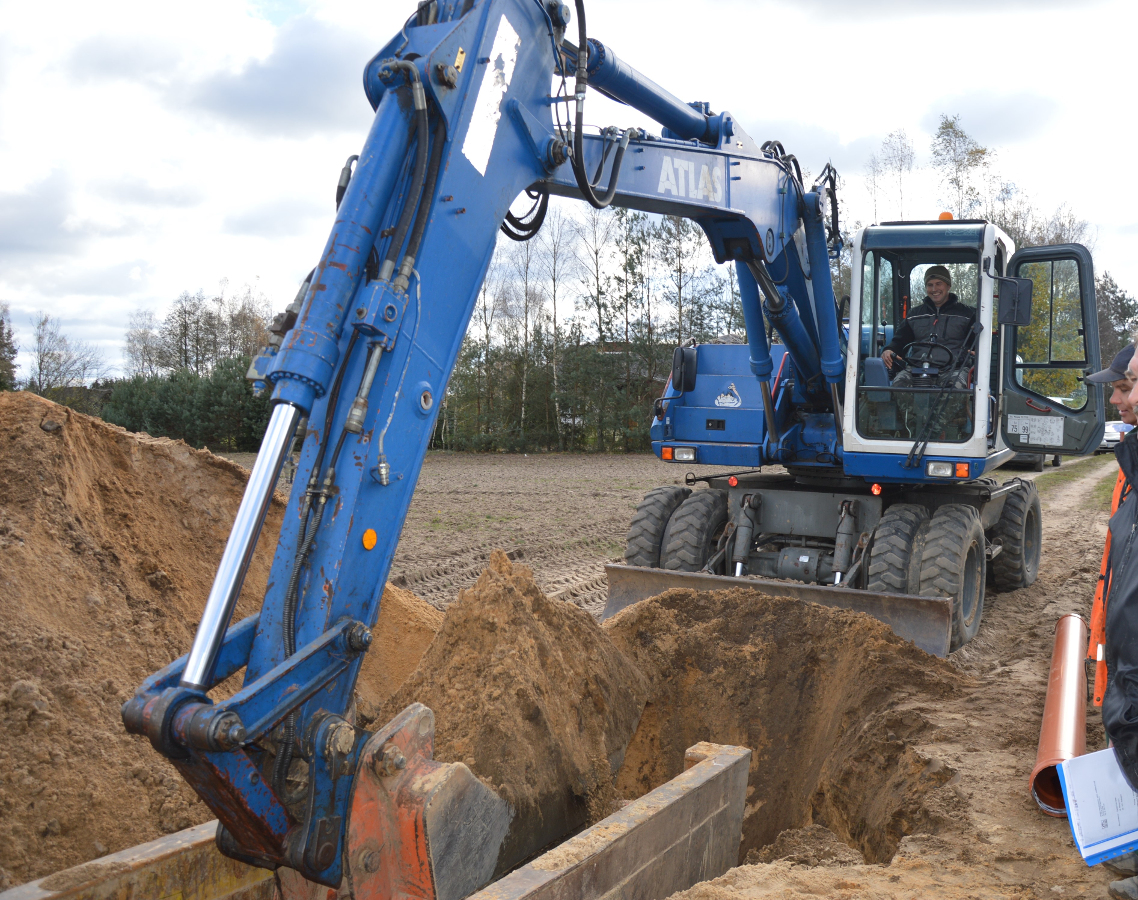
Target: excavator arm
pixel 464 122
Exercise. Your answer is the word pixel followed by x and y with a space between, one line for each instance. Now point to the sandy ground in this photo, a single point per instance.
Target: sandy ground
pixel 567 515
pixel 69 658
pixel 998 844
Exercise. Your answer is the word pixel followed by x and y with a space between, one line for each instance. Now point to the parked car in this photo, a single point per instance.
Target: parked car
pixel 1113 434
pixel 1036 460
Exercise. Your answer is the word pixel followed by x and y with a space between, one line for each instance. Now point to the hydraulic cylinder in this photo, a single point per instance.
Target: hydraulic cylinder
pixel 240 546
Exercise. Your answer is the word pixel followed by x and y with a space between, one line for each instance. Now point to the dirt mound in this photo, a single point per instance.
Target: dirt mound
pixel 818 695
pixel 110 542
pixel 534 698
pixel 814 845
pixel 923 867
pixel 405 629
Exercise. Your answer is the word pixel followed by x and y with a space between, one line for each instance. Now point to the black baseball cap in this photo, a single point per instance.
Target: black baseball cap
pixel 1116 371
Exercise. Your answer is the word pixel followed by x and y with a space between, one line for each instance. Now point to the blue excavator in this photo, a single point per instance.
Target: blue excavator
pixel 881 500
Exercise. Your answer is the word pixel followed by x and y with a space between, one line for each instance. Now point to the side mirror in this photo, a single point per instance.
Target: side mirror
pixel 1015 301
pixel 683 369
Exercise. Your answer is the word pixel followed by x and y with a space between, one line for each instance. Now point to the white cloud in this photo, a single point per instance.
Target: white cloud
pixel 148 148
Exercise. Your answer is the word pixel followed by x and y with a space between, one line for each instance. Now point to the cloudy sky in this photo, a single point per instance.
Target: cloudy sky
pixel 148 148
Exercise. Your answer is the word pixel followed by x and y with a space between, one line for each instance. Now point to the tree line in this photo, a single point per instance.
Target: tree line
pixel 571 336
pixel 184 374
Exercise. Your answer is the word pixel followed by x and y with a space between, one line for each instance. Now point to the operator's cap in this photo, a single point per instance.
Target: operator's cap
pixel 1116 371
pixel 938 272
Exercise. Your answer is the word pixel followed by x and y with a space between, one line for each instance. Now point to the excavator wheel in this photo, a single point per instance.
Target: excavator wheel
pixel 953 564
pixel 646 533
pixel 694 530
pixel 1020 533
pixel 891 566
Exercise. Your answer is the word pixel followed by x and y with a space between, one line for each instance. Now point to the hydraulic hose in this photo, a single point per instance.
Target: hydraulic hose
pixel 419 172
pixel 581 84
pixel 408 262
pixel 288 626
pixel 308 537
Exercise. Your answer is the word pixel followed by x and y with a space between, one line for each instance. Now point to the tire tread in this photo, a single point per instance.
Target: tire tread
pixel 685 547
pixel 649 523
pixel 891 553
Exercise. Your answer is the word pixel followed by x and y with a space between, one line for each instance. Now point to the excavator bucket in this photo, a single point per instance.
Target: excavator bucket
pixel 926 621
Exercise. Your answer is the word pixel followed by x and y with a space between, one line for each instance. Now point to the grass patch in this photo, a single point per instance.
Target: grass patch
pixel 1048 481
pixel 1102 493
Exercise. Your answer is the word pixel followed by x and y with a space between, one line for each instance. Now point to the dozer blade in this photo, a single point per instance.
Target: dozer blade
pixel 926 621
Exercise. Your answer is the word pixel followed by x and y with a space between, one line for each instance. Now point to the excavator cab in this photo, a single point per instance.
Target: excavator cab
pixel 970 396
pixel 928 387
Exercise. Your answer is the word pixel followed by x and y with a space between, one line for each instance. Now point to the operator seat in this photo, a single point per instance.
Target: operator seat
pixel 876 375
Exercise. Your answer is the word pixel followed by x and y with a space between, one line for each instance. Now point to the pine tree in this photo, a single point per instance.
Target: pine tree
pixel 8 350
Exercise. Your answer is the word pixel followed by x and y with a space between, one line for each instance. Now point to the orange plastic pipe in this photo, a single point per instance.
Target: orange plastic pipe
pixel 1064 732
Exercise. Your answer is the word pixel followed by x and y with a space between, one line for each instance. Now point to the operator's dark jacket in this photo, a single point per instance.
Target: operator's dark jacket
pixel 1120 704
pixel 949 325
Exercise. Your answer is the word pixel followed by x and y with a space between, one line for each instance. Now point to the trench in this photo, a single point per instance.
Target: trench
pixel 817 694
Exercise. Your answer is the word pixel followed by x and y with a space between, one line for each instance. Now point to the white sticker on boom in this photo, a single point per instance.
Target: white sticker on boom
pixel 1046 431
pixel 488 105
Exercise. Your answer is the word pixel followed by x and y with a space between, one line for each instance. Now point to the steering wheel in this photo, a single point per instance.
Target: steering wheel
pixel 933 351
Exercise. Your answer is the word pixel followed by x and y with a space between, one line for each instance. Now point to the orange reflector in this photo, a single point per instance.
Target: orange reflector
pixel 875 490
pixel 369 539
pixel 733 481
pixel 946 216
pixel 666 453
pixel 962 470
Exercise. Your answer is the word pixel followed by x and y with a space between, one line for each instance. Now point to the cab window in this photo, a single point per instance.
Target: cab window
pixel 1051 352
pixel 933 399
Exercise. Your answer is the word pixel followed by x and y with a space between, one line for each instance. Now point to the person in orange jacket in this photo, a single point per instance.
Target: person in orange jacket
pixel 1120 375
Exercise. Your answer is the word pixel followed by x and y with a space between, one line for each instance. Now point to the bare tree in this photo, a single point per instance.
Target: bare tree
pixel 527 309
pixel 490 301
pixel 243 319
pixel 874 171
pixel 59 363
pixel 190 334
pixel 143 351
pixel 897 161
pixel 961 162
pixel 680 245
pixel 558 262
pixel 594 246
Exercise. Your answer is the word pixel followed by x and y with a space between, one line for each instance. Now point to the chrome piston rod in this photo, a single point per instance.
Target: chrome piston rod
pixel 239 549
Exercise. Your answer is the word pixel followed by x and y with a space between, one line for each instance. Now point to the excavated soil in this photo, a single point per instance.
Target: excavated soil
pixel 811 691
pixel 878 771
pixel 995 842
pixel 109 542
pixel 534 698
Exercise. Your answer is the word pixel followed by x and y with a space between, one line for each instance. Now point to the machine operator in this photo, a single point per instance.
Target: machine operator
pixel 942 318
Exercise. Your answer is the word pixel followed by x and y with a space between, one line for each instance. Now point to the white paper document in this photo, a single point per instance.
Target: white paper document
pixel 1101 806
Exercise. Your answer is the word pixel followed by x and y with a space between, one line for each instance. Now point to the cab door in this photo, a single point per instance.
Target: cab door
pixel 1047 407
